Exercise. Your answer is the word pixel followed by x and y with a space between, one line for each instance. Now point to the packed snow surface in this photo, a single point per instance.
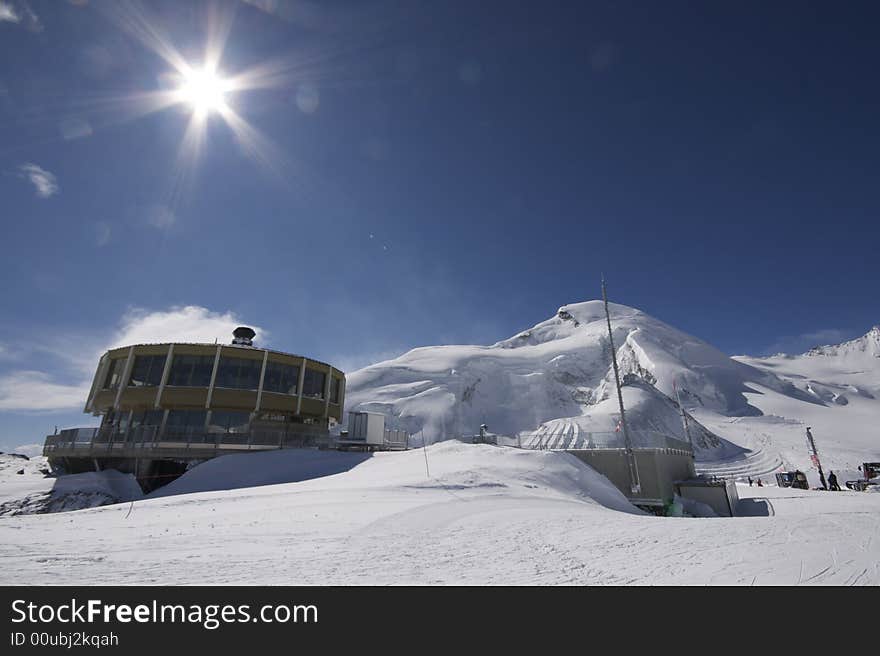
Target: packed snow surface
pixel 32 491
pixel 484 515
pixel 31 480
pixel 844 382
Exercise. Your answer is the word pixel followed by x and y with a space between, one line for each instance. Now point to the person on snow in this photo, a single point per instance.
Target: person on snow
pixel 760 484
pixel 832 482
pixel 750 481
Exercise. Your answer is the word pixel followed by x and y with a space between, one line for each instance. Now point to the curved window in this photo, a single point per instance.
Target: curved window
pixel 313 384
pixel 191 370
pixel 281 378
pixel 223 421
pixel 238 373
pixel 114 373
pixel 334 390
pixel 185 424
pixel 147 371
pixel 147 418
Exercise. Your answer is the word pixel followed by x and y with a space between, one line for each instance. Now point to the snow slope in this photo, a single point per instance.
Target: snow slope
pixel 485 515
pixel 649 413
pixel 844 382
pixel 34 492
pixel 15 486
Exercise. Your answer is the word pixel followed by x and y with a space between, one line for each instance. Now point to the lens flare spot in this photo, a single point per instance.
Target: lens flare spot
pixel 203 90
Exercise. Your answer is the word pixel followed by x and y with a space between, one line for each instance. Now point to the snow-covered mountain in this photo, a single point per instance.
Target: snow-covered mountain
pixel 556 378
pixel 844 382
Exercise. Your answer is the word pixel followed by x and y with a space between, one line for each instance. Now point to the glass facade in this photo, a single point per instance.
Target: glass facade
pixel 281 378
pixel 223 421
pixel 147 370
pixel 313 384
pixel 146 418
pixel 185 424
pixel 115 421
pixel 191 370
pixel 238 373
pixel 114 373
pixel 334 390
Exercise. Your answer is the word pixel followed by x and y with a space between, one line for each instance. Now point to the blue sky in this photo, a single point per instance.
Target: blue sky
pixel 415 173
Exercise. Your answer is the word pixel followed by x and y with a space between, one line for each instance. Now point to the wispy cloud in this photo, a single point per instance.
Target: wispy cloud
pixel 36 391
pixel 795 344
pixel 159 216
pixel 74 127
pixel 29 390
pixel 191 323
pixel 20 12
pixel 8 13
pixel 45 183
pixel 349 363
pixel 102 233
pixel 29 450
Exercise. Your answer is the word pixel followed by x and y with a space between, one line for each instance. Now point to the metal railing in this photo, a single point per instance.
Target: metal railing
pixel 103 440
pixel 567 440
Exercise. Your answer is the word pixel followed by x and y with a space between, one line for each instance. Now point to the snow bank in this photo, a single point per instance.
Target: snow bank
pixel 110 483
pixel 264 468
pixel 33 492
pixel 452 465
pixel 484 515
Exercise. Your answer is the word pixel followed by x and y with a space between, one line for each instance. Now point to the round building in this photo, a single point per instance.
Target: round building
pixel 164 406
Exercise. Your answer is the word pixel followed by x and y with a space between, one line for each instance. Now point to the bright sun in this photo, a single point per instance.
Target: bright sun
pixel 203 90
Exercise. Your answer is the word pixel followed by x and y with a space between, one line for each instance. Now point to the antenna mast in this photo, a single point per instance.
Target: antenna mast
pixel 684 419
pixel 635 483
pixel 814 457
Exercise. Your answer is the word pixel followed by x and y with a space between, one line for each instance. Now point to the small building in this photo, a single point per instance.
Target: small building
pixel 164 407
pixel 367 432
pixel 658 467
pixel 717 493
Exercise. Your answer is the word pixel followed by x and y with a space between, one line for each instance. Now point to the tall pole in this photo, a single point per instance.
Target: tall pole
pixel 684 419
pixel 635 484
pixel 814 456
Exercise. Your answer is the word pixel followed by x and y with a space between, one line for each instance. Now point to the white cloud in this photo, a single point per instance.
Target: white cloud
pixel 20 12
pixel 29 450
pixel 191 323
pixel 30 390
pixel 45 183
pixel 74 128
pixel 794 344
pixel 35 391
pixel 351 363
pixel 7 13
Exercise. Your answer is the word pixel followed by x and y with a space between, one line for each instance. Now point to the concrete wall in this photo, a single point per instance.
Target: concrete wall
pixel 658 469
pixel 722 498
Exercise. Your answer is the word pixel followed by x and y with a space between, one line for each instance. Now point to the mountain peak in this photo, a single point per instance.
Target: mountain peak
pixel 589 311
pixel 867 343
pixel 558 369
